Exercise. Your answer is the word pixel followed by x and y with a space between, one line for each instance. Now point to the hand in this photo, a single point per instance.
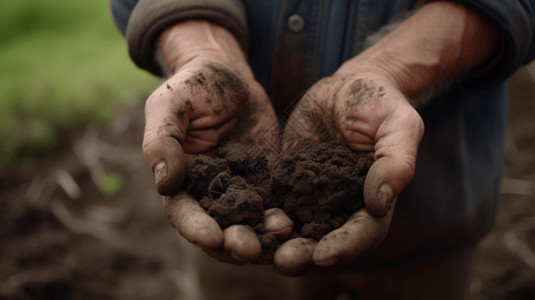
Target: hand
pixel 364 106
pixel 366 112
pixel 210 99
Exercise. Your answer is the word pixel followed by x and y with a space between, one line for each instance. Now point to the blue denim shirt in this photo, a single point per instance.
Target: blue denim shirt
pixel 452 199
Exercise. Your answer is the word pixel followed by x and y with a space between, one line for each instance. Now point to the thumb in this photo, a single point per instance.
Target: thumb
pixel 395 159
pixel 384 182
pixel 164 133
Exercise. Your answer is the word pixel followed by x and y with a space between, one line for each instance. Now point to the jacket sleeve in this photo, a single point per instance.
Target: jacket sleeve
pixel 516 22
pixel 142 22
pixel 120 12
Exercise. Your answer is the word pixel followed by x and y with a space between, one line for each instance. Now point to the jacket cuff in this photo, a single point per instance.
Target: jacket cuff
pixel 515 21
pixel 149 18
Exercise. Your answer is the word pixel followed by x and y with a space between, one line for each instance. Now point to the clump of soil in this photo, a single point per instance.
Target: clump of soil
pixel 225 186
pixel 319 185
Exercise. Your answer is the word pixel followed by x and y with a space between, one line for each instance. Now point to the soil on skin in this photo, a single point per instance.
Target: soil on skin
pixel 54 247
pixel 318 185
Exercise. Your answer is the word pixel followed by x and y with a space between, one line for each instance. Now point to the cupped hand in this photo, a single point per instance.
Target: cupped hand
pixel 368 113
pixel 204 105
pixel 212 98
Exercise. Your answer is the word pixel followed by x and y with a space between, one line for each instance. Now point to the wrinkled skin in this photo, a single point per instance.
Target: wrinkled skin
pixel 362 105
pixel 366 112
pixel 208 101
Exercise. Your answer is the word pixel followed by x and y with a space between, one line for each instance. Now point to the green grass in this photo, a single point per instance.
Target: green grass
pixel 62 64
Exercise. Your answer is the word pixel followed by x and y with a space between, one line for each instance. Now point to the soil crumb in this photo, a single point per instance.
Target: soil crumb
pixel 319 185
pixel 221 187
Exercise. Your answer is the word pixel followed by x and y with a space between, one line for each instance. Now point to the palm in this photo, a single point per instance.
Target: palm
pixel 200 108
pixel 367 114
pixel 207 104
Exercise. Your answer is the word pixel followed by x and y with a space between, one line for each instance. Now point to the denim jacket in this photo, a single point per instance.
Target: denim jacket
pixel 451 201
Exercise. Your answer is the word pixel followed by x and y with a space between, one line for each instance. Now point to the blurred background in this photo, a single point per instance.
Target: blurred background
pixel 80 217
pixel 63 64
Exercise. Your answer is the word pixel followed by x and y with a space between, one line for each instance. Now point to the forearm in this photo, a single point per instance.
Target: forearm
pixel 440 41
pixel 188 40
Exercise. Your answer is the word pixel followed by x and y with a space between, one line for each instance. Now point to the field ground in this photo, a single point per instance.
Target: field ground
pixel 62 238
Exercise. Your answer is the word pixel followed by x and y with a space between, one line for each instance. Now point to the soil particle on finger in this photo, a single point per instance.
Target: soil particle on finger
pixel 197 79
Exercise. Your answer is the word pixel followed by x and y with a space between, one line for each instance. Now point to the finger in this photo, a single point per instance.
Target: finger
pixel 364 143
pixel 242 243
pixel 203 140
pixel 362 232
pixel 223 256
pixel 294 256
pixel 164 133
pixel 276 221
pixel 396 148
pixel 186 215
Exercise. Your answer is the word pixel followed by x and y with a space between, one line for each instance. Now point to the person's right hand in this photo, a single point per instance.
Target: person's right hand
pixel 211 98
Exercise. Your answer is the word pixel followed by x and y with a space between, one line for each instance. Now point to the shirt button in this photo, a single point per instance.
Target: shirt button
pixel 296 23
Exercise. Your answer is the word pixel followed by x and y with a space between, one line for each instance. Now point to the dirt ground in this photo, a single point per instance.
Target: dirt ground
pixel 505 268
pixel 61 238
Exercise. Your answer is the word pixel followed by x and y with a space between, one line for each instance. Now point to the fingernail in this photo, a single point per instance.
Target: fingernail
pixel 283 232
pixel 328 262
pixel 385 197
pixel 160 172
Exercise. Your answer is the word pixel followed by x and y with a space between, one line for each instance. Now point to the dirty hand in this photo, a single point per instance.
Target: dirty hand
pixel 364 106
pixel 211 98
pixel 366 112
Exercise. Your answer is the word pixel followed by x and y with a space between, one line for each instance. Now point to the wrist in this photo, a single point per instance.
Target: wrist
pixel 440 42
pixel 195 40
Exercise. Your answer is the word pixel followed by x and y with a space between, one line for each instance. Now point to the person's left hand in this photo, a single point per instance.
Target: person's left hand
pixel 366 112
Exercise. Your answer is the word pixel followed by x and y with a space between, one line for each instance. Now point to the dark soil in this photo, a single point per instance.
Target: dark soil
pixel 95 247
pixel 319 185
pixel 221 185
